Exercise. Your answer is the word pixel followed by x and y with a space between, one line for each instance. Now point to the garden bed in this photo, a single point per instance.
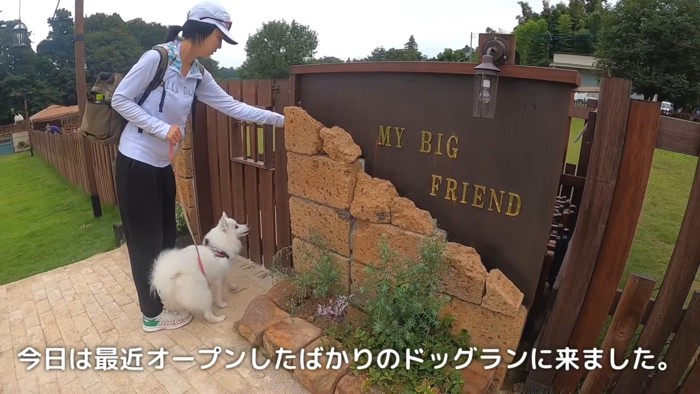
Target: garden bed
pixel 298 318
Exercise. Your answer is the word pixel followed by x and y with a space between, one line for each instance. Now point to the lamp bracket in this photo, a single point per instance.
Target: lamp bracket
pixel 498 48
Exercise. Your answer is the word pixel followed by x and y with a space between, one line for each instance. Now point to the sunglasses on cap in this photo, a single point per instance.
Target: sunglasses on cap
pixel 228 24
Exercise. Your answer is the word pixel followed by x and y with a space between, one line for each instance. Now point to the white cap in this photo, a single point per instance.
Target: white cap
pixel 214 14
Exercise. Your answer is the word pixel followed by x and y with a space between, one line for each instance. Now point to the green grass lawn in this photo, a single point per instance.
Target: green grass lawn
pixel 45 223
pixel 662 213
pixel 574 150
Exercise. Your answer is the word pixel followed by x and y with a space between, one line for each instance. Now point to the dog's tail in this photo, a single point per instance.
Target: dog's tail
pixel 157 284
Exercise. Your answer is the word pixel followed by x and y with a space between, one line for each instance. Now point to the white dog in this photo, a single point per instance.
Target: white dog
pixel 178 278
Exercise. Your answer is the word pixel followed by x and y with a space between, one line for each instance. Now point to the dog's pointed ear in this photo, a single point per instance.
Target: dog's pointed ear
pixel 222 222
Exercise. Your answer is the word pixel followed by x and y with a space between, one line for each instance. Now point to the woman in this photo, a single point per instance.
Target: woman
pixel 144 174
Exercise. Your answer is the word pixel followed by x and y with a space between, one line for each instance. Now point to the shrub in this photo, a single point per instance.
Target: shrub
pixel 403 312
pixel 321 280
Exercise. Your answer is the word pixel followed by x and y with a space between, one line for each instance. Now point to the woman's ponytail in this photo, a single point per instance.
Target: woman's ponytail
pixel 172 33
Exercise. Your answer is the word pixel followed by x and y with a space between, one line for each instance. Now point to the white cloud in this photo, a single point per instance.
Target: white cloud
pixel 346 29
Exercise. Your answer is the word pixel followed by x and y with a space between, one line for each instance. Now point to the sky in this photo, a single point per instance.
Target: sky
pixel 350 30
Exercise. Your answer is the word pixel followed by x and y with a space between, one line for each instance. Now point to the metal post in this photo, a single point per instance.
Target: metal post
pixel 82 99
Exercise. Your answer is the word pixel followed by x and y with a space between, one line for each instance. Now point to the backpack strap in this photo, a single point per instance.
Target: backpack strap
pixel 194 100
pixel 157 79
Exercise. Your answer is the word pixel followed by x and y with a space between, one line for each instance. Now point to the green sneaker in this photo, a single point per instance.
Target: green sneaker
pixel 167 320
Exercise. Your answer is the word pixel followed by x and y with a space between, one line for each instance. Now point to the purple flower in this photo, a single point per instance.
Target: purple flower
pixel 335 309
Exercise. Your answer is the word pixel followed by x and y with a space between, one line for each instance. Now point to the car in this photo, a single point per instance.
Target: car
pixel 666 108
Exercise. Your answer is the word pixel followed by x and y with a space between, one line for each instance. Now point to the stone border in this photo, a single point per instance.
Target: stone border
pixel 281 337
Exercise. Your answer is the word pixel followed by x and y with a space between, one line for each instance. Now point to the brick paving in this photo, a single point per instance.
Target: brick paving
pixel 93 303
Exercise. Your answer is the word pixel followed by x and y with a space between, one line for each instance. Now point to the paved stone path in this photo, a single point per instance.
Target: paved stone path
pixel 92 304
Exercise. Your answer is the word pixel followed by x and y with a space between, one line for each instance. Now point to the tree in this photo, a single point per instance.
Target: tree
pixel 19 78
pixel 326 60
pixel 456 55
pixel 655 44
pixel 409 52
pixel 277 46
pixel 56 57
pixel 147 34
pixel 564 34
pixel 533 42
pixel 527 14
pixel 109 46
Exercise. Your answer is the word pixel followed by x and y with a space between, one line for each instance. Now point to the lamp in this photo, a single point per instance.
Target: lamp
pixel 486 78
pixel 19 34
pixel 20 38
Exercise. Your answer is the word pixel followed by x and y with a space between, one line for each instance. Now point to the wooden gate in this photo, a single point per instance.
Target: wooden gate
pixel 240 169
pixel 627 132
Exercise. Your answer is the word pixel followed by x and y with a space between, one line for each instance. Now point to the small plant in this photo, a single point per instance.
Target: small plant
pixel 321 278
pixel 180 220
pixel 335 309
pixel 403 314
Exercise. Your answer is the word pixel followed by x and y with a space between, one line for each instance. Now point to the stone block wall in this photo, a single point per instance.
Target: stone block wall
pixel 333 196
pixel 184 178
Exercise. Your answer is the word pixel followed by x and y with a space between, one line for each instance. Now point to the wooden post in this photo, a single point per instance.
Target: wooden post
pixel 579 262
pixel 200 170
pixel 682 350
pixel 640 141
pixel 692 380
pixel 82 99
pixel 629 313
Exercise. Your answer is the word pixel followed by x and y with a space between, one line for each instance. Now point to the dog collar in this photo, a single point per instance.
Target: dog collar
pixel 217 252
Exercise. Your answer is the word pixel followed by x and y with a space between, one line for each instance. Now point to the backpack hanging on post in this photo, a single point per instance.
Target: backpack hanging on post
pixel 102 123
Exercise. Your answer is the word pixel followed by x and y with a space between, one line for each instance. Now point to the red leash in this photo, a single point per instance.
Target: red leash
pixel 199 258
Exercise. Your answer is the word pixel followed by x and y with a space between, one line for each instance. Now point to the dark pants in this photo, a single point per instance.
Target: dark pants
pixel 146 196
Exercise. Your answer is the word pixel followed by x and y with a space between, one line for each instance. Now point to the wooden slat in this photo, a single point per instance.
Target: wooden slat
pixel 647 313
pixel 681 352
pixel 622 328
pixel 222 153
pixel 264 98
pixel 282 218
pixel 585 244
pixel 200 163
pixel 630 189
pixel 235 89
pixel 267 216
pixel 678 135
pixel 678 280
pixel 250 91
pixel 238 196
pixel 692 381
pixel 572 180
pixel 253 213
pixel 214 176
pixel 576 111
pixel 252 134
pixel 282 95
pixel 269 147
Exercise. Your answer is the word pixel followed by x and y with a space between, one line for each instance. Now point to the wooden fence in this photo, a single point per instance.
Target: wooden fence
pixel 240 169
pixel 64 152
pixel 6 130
pixel 627 132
